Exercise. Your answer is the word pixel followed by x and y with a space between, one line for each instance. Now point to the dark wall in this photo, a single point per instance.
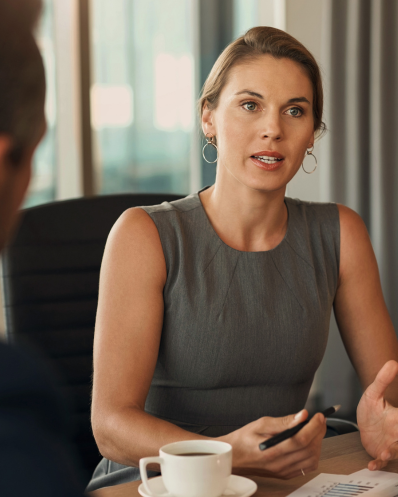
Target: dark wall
pixel 216 32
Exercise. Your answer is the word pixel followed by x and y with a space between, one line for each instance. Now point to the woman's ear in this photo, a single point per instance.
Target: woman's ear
pixel 311 143
pixel 207 121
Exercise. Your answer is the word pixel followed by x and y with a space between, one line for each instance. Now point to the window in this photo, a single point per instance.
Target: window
pixel 42 187
pixel 143 95
pixel 246 15
pixel 148 63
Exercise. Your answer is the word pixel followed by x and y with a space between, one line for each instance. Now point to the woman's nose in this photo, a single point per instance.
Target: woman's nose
pixel 271 126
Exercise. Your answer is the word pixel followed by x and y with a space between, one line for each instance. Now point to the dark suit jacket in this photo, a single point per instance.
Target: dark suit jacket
pixel 36 458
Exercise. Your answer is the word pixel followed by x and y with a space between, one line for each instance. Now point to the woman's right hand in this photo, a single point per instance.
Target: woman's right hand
pixel 285 460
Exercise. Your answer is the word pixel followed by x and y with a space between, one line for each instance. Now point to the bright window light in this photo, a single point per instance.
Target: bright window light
pixel 165 92
pixel 245 16
pixel 111 106
pixel 46 47
pixel 174 99
pixel 186 92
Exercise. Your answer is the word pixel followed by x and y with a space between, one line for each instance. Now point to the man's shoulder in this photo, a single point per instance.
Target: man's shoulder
pixel 27 383
pixel 35 452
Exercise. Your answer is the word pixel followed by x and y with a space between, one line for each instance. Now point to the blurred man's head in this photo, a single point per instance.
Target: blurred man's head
pixel 22 96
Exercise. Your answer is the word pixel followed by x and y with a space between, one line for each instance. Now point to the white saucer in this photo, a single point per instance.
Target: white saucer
pixel 238 486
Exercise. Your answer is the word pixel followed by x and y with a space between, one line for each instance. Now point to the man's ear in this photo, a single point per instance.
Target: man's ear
pixel 5 147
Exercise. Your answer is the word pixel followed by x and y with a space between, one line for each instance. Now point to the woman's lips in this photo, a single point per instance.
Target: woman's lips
pixel 268 153
pixel 267 167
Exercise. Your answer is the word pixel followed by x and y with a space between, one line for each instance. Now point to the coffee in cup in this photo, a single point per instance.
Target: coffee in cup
pixel 192 468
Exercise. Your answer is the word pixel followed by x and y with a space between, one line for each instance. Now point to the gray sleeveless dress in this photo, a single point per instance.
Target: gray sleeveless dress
pixel 243 332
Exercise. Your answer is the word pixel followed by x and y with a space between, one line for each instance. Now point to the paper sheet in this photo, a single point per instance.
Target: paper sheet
pixel 383 476
pixel 370 483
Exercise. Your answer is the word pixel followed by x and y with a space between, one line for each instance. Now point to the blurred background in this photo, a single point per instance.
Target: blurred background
pixel 123 78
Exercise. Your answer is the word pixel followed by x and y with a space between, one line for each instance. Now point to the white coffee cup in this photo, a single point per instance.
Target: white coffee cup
pixel 191 475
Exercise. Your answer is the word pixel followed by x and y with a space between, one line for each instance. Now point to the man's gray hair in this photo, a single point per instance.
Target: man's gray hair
pixel 22 76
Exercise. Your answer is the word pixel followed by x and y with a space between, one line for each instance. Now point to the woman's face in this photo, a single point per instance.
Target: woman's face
pixel 264 113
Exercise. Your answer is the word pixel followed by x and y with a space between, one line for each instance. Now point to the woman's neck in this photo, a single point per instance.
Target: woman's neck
pixel 244 218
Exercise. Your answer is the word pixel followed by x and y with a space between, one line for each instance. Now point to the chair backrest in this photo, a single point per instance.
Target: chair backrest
pixel 50 276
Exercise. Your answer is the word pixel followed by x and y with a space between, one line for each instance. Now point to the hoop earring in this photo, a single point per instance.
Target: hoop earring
pixel 209 141
pixel 316 162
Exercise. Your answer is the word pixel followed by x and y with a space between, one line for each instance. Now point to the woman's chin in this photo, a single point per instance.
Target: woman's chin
pixel 265 186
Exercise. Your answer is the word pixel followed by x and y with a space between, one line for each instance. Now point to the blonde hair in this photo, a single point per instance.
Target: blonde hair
pixel 259 41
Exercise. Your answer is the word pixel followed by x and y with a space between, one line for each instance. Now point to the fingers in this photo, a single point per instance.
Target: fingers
pixel 377 464
pixel 297 418
pixel 286 459
pixel 384 458
pixel 313 431
pixel 391 454
pixel 273 426
pixel 291 465
pixel 299 452
pixel 384 378
pixel 298 472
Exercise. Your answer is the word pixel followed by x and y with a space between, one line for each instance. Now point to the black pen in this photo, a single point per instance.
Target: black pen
pixel 284 435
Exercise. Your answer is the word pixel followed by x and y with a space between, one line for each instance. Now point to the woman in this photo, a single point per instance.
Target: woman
pixel 214 310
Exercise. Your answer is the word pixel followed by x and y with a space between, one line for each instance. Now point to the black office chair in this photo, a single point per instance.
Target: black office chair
pixel 339 426
pixel 50 275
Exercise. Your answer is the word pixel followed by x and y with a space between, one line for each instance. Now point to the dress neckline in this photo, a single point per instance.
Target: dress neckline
pixel 280 244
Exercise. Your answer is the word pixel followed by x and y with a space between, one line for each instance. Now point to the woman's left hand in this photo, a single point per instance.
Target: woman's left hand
pixel 378 419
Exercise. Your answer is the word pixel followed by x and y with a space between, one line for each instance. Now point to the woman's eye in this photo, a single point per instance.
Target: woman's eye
pixel 251 106
pixel 295 112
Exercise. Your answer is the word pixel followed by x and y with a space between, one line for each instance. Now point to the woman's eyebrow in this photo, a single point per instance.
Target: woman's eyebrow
pixel 298 99
pixel 258 95
pixel 252 93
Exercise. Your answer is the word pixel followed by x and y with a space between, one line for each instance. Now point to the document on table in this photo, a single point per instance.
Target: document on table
pixel 371 483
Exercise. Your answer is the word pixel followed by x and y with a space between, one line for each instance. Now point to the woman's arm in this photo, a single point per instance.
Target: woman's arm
pixel 370 340
pixel 126 345
pixel 361 313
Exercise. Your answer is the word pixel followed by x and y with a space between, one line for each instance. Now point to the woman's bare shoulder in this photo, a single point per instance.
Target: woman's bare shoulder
pixel 135 222
pixel 352 226
pixel 356 249
pixel 134 240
